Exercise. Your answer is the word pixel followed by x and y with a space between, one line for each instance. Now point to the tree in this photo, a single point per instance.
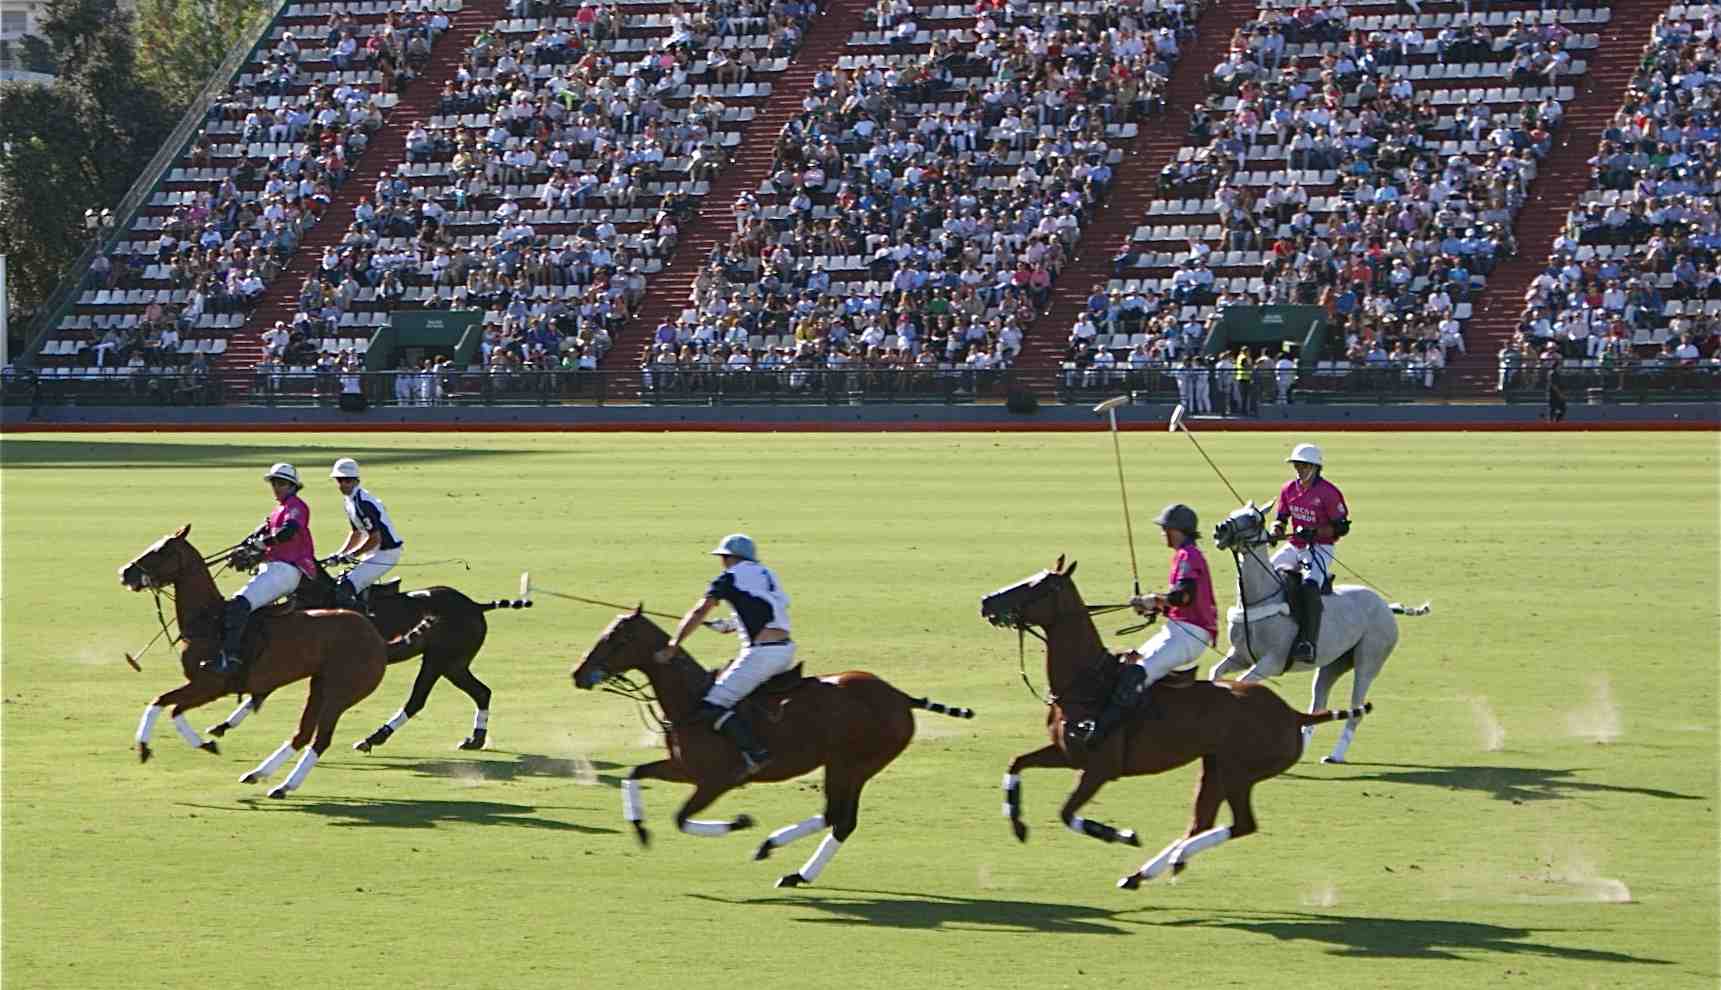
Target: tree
pixel 77 144
pixel 182 42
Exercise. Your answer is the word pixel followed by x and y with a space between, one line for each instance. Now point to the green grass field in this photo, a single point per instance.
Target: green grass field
pixel 1532 804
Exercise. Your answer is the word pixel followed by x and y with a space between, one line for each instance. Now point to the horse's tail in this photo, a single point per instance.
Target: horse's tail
pixel 408 644
pixel 1316 718
pixel 504 603
pixel 941 709
pixel 1399 608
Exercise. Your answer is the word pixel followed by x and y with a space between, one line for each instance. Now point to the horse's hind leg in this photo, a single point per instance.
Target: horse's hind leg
pixel 1088 784
pixel 1370 659
pixel 462 677
pixel 301 738
pixel 1045 756
pixel 189 695
pixel 1209 792
pixel 353 684
pixel 421 685
pixel 842 810
pixel 1237 786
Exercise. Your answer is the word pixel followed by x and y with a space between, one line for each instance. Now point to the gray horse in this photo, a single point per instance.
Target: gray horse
pixel 1358 631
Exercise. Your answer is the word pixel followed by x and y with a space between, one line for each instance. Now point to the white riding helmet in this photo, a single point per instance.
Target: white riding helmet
pixel 346 467
pixel 286 472
pixel 737 545
pixel 1305 453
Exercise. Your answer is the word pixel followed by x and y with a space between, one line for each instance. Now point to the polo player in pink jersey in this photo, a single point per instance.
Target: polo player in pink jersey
pixel 288 557
pixel 1191 625
pixel 1316 509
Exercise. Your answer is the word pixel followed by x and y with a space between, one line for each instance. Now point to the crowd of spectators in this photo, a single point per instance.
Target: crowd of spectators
pixel 1631 283
pixel 1335 182
pixel 950 178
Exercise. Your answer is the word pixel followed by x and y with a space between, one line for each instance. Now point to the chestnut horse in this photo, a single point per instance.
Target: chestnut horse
pixel 448 648
pixel 853 724
pixel 341 652
pixel 1241 733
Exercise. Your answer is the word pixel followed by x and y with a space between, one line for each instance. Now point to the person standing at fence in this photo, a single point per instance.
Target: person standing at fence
pixel 1556 393
pixel 1285 375
pixel 405 392
pixel 425 382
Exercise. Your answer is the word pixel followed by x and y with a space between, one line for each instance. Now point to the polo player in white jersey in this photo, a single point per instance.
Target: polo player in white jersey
pixel 374 545
pixel 762 613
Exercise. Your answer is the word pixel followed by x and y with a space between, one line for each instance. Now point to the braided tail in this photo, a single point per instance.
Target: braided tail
pixel 1316 718
pixel 505 603
pixel 941 709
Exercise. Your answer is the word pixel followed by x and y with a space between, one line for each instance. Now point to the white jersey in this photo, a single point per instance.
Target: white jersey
pixel 756 596
pixel 367 515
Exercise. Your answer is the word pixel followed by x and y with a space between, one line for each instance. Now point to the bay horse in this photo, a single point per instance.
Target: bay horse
pixel 853 724
pixel 1357 634
pixel 341 653
pixel 1242 733
pixel 448 648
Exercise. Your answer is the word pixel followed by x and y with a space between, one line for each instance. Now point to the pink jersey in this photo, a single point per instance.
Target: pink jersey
pixel 1319 504
pixel 1187 564
pixel 297 549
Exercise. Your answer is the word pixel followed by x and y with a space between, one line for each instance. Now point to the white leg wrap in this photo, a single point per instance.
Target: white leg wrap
pixel 301 770
pixel 186 732
pixel 630 809
pixel 799 830
pixel 1206 840
pixel 1075 824
pixel 1012 785
pixel 481 719
pixel 1159 863
pixel 820 859
pixel 706 829
pixel 273 762
pixel 146 725
pixel 397 720
pixel 240 713
pixel 1343 746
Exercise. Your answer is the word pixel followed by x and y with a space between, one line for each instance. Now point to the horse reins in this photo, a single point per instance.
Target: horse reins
pixel 624 686
pixel 1023 631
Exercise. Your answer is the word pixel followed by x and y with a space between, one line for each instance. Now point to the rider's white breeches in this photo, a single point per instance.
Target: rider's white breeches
pixel 755 666
pixel 1316 561
pixel 1178 644
pixel 273 580
pixel 370 569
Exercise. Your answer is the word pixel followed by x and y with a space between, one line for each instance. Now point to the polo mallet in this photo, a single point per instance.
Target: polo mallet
pixel 527 588
pixel 1109 407
pixel 1177 425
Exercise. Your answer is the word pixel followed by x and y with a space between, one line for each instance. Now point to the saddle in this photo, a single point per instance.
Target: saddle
pixel 766 700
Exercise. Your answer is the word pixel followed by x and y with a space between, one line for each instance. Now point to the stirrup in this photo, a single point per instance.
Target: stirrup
pixel 221 663
pixel 752 763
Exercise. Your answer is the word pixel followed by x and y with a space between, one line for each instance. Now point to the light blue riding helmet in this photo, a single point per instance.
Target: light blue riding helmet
pixel 737 545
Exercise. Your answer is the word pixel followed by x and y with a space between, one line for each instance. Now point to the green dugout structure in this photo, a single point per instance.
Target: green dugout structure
pixel 1304 326
pixel 456 330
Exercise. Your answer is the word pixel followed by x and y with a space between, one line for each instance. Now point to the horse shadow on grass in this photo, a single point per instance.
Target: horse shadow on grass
pixel 386 813
pixel 1503 783
pixel 523 766
pixel 1405 938
pixel 920 911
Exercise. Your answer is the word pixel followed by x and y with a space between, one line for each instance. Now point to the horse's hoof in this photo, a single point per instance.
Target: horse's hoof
pixel 1131 882
pixel 210 747
pixel 219 729
pixel 1332 759
pixel 1129 838
pixel 1178 867
pixel 1020 829
pixel 250 778
pixel 278 791
pixel 763 852
pixel 474 741
pixel 143 752
pixel 640 833
pixel 792 880
pixel 741 822
pixel 363 745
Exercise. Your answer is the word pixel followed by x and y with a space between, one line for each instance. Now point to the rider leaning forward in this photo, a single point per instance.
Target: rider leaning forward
pixel 1319 517
pixel 373 546
pixel 1191 624
pixel 288 557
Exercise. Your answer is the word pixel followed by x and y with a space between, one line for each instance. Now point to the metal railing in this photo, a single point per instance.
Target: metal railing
pixel 1223 392
pixel 195 119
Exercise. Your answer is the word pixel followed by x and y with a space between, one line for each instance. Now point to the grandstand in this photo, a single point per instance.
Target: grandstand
pixel 731 187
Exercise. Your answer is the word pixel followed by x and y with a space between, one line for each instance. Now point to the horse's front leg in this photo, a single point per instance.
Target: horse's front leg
pixel 1045 756
pixel 191 694
pixel 245 710
pixel 630 807
pixel 1232 661
pixel 1088 783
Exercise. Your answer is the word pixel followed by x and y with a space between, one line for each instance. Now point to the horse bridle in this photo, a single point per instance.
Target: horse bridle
pixel 1253 553
pixel 1024 630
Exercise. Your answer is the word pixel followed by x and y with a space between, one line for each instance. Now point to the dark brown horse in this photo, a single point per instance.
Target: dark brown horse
pixel 448 647
pixel 853 724
pixel 1241 733
pixel 341 652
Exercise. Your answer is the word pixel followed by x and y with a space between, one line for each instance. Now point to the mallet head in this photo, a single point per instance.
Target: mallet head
pixel 1110 404
pixel 1176 419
